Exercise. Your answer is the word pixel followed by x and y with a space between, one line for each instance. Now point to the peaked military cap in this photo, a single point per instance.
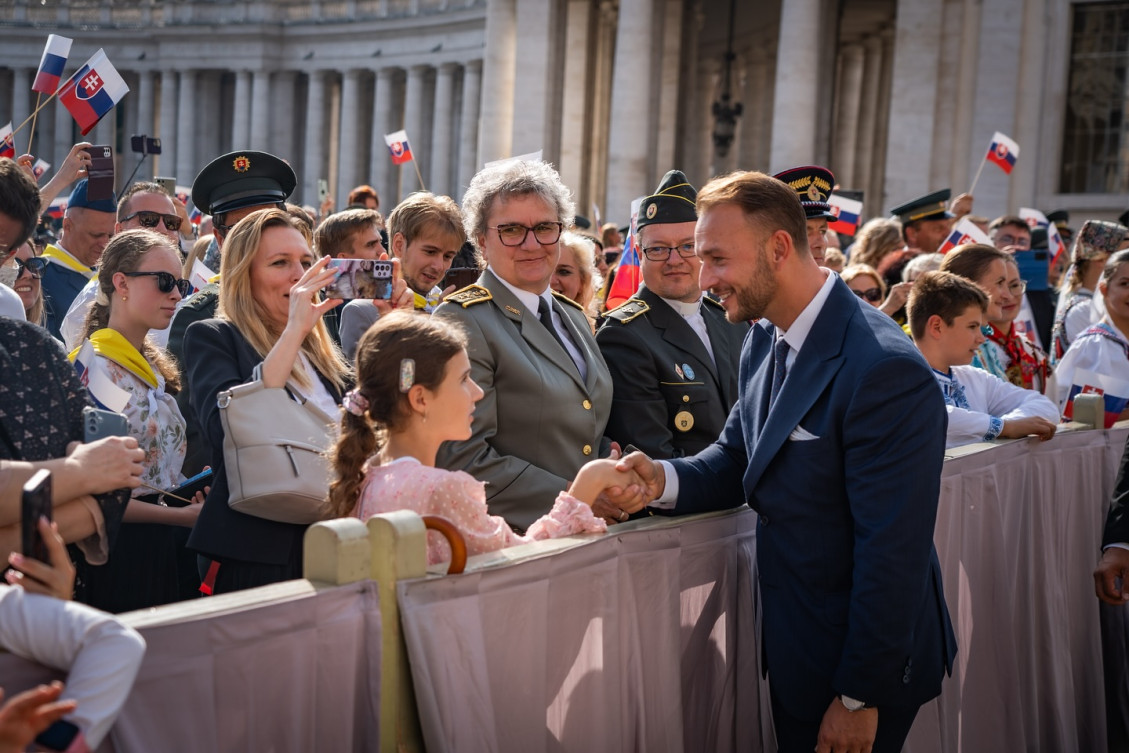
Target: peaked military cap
pixel 933 206
pixel 813 184
pixel 242 179
pixel 673 201
pixel 1061 218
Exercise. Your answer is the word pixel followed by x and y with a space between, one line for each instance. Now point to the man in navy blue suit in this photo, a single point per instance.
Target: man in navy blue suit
pixel 837 441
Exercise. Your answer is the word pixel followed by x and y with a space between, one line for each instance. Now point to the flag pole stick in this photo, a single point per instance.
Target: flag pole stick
pixel 978 171
pixel 31 135
pixel 415 164
pixel 29 117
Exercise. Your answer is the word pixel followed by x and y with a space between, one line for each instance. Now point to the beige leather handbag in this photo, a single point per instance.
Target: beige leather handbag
pixel 274 445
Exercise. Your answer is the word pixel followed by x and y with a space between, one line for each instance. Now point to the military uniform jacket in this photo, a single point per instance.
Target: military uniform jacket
pixel 538 422
pixel 670 400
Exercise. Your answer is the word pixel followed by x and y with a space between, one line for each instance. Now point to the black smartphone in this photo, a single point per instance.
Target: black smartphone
pixel 360 278
pixel 36 504
pixel 187 490
pixel 460 277
pixel 144 144
pixel 100 174
pixel 98 424
pixel 59 736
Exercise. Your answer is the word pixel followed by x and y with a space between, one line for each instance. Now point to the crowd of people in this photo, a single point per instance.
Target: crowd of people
pixel 761 359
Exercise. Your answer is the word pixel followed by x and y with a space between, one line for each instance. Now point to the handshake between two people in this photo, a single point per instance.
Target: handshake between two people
pixel 616 487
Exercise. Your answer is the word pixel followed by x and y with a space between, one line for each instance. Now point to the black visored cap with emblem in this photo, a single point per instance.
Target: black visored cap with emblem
pixel 813 184
pixel 673 201
pixel 242 179
pixel 931 207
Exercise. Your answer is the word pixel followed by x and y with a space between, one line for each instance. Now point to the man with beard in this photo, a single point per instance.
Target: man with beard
pixel 836 407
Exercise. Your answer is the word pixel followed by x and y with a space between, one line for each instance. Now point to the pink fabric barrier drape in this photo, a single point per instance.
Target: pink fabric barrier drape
pixel 300 674
pixel 1018 533
pixel 639 641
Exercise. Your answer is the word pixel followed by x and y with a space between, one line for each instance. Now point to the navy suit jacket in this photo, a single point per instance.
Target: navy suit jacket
pixel 849 579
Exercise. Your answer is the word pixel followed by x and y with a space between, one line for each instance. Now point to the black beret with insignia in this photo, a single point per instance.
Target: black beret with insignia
pixel 930 207
pixel 814 185
pixel 242 179
pixel 673 201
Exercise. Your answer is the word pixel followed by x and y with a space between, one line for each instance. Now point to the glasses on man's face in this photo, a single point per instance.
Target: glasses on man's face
pixel 34 266
pixel 874 295
pixel 1022 242
pixel 1018 287
pixel 152 219
pixel 662 253
pixel 165 282
pixel 513 234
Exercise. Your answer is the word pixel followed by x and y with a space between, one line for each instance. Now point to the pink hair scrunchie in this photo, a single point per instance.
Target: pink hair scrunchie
pixel 355 403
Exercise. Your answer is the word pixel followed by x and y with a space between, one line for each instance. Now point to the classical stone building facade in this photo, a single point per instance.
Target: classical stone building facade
pixel 898 97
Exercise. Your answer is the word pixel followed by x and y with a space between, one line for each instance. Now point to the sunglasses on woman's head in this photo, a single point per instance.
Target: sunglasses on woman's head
pixel 874 295
pixel 165 282
pixel 152 219
pixel 34 266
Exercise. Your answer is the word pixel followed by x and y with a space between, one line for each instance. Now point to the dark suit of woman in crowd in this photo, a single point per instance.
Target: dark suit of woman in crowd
pixel 270 314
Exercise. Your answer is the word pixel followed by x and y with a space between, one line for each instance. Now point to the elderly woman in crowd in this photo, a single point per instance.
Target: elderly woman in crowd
pixel 576 276
pixel 1076 310
pixel 139 286
pixel 548 390
pixel 1100 353
pixel 270 315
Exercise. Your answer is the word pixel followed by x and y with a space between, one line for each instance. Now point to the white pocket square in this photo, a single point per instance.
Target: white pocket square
pixel 800 434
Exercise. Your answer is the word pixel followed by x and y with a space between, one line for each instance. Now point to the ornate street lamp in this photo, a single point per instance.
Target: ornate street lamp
pixel 725 110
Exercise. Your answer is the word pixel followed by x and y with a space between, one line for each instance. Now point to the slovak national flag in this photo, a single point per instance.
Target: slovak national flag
pixel 964 232
pixel 7 143
pixel 1114 392
pixel 93 91
pixel 1003 152
pixel 57 208
pixel 847 213
pixel 51 65
pixel 628 274
pixel 398 147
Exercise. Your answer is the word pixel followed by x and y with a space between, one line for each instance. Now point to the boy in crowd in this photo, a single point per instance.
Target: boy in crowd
pixel 946 313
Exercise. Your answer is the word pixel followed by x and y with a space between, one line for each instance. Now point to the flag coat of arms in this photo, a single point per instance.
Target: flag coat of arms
pixel 7 143
pixel 1003 152
pixel 964 232
pixel 398 147
pixel 93 91
pixel 52 63
pixel 847 213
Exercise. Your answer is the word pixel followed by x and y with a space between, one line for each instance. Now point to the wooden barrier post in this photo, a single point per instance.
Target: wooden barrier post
pixel 336 552
pixel 1089 409
pixel 398 542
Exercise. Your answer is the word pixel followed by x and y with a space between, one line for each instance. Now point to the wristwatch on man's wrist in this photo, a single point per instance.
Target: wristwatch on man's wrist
pixel 853 704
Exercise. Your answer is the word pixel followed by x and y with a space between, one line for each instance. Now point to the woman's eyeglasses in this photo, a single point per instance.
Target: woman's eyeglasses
pixel 34 266
pixel 151 220
pixel 165 282
pixel 874 295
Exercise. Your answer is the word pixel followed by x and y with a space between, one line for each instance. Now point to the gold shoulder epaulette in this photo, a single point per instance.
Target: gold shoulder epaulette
pixel 469 295
pixel 632 308
pixel 565 299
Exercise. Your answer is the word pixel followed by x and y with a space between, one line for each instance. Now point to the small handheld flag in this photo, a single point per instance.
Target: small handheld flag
pixel 7 143
pixel 51 65
pixel 847 213
pixel 964 232
pixel 1003 152
pixel 201 275
pixel 57 208
pixel 93 91
pixel 628 274
pixel 398 147
pixel 41 166
pixel 92 373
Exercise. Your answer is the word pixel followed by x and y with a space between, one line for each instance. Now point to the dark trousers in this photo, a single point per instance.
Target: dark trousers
pixel 794 735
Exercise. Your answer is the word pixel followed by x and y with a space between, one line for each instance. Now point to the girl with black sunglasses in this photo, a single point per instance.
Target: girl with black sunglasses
pixel 139 287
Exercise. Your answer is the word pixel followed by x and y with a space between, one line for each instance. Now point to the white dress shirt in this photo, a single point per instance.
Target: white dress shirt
pixel 987 403
pixel 692 313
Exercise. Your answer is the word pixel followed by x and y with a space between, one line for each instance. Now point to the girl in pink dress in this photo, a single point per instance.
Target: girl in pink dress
pixel 414 392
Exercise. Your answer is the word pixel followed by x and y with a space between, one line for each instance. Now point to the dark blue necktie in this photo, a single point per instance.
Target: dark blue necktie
pixel 779 368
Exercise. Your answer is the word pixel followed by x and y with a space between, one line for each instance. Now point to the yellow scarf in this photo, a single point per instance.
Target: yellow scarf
pixel 58 255
pixel 425 303
pixel 109 343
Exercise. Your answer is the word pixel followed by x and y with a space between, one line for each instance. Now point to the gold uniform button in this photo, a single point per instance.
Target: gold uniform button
pixel 587 405
pixel 685 398
pixel 587 449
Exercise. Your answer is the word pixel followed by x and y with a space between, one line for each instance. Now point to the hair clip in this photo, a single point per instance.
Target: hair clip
pixel 355 403
pixel 407 374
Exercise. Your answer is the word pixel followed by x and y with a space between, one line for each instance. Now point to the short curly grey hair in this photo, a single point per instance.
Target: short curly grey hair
pixel 514 178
